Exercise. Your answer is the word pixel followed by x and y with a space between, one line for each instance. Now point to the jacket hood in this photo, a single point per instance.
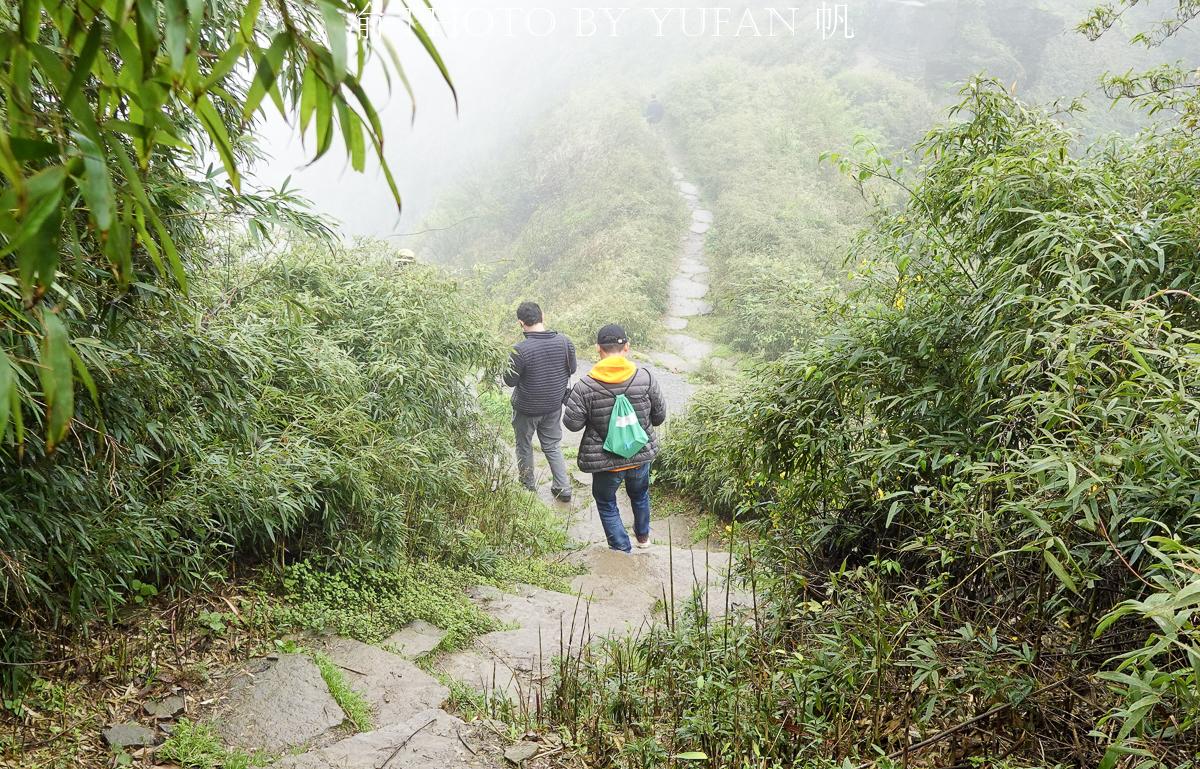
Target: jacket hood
pixel 613 370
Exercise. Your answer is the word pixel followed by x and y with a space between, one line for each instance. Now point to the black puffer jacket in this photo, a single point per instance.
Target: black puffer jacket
pixel 538 371
pixel 590 405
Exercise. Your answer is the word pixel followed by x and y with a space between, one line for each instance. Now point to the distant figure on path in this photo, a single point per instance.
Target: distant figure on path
pixel 539 370
pixel 654 110
pixel 617 397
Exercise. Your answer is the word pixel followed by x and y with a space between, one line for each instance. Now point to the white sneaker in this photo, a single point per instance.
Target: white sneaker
pixel 643 545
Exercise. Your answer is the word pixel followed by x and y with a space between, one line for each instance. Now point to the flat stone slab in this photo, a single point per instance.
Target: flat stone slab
pixel 168 707
pixel 279 706
pixel 702 215
pixel 511 663
pixel 684 307
pixel 689 348
pixel 687 188
pixel 700 227
pixel 396 688
pixel 675 324
pixel 521 752
pixel 128 735
pixel 415 639
pixel 429 739
pixel 687 288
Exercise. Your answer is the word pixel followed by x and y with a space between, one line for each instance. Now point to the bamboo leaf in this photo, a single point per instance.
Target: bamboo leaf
pixel 335 27
pixel 176 32
pixel 1059 571
pixel 215 127
pixel 97 186
pixel 56 374
pixel 8 384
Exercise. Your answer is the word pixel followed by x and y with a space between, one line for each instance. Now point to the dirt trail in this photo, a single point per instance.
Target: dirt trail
pixel 282 704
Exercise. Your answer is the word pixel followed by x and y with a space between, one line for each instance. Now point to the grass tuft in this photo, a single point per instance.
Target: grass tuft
pixel 353 704
pixel 196 746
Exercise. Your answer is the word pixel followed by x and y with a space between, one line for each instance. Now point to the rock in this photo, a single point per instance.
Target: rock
pixel 689 348
pixel 700 227
pixel 128 735
pixel 281 708
pixel 415 639
pixel 521 752
pixel 168 707
pixel 395 688
pixel 485 593
pixel 688 189
pixel 701 215
pixel 428 740
pixel 682 287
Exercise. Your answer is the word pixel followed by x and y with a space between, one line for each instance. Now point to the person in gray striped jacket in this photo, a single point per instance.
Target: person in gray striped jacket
pixel 539 371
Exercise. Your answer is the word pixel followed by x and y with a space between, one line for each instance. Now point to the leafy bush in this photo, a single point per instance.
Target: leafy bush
pixel 102 176
pixel 314 406
pixel 998 439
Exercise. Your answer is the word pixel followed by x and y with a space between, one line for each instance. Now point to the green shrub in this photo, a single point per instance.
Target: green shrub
pixel 314 406
pixel 996 442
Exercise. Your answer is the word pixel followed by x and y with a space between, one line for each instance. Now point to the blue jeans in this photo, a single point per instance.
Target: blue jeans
pixel 637 486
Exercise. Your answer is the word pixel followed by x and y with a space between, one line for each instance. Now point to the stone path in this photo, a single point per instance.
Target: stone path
pixel 689 288
pixel 281 704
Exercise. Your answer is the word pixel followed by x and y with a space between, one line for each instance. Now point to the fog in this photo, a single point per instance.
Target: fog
pixel 511 60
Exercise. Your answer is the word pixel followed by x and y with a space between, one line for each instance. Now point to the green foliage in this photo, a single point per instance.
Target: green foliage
pixel 997 438
pixel 584 221
pixel 109 111
pixel 196 746
pixel 315 406
pixel 369 603
pixel 353 704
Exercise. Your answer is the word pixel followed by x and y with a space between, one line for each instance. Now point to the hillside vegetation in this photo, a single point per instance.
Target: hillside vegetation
pixel 314 406
pixel 583 218
pixel 973 500
pixel 189 389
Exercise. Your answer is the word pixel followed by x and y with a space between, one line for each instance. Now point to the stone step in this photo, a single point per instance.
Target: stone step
pixel 415 639
pixel 395 688
pixel 276 705
pixel 428 739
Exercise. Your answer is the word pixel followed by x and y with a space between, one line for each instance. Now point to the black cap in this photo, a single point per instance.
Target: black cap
pixel 611 334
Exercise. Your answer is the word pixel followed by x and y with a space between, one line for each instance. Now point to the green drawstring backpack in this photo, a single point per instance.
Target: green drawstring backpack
pixel 625 434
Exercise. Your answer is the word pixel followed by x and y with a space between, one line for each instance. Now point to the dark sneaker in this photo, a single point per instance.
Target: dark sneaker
pixel 562 496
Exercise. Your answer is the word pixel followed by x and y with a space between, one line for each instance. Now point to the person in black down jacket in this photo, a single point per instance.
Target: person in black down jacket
pixel 539 370
pixel 589 407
